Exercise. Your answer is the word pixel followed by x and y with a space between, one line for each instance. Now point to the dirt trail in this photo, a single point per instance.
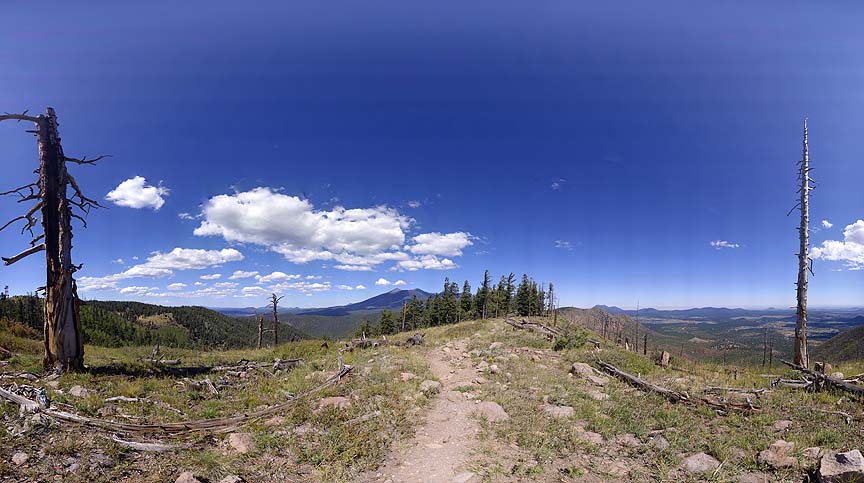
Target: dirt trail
pixel 441 447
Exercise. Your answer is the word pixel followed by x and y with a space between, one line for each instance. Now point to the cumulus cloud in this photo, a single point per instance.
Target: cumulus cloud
pixel 164 265
pixel 176 286
pixel 382 282
pixel 850 250
pixel 212 276
pixel 118 261
pixel 136 193
pixel 564 245
pixel 253 292
pixel 356 239
pixel 360 287
pixel 185 216
pixel 399 283
pixel 427 262
pixel 241 274
pixel 449 244
pixel 344 287
pixel 276 277
pixel 827 224
pixel 721 244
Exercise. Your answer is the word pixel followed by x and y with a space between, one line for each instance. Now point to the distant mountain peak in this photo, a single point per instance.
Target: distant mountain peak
pixel 395 290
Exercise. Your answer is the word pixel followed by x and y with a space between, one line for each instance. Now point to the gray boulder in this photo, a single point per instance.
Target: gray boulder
pixel 845 467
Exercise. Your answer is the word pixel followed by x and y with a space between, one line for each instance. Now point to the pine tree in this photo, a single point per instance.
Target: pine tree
pixel 466 302
pixel 523 297
pixel 483 296
pixel 386 323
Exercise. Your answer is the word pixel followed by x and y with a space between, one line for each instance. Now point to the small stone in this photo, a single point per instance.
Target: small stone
pixel 337 402
pixel 782 425
pixel 778 455
pixel 241 442
pixel 587 372
pixel 493 369
pixel 53 384
pixel 492 411
pixel 20 458
pixel 591 437
pixel 495 345
pixel 557 411
pixel 407 376
pixel 845 467
pixel 813 452
pixel 659 442
pixel 429 387
pixel 480 380
pixel 482 365
pixel 700 463
pixel 79 391
pixel 102 460
pixel 231 479
pixel 597 395
pixel 837 375
pixel 628 440
pixel 187 477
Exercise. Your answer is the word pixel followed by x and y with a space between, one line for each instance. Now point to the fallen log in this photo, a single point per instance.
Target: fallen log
pixel 828 380
pixel 539 328
pixel 416 339
pixel 673 395
pixel 183 428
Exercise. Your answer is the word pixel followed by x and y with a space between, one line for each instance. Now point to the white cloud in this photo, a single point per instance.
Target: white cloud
pixel 344 287
pixel 185 216
pixel 382 282
pixel 118 261
pixel 558 183
pixel 399 283
pixel 564 245
pixel 212 276
pixel 850 250
pixel 237 275
pixel 355 239
pixel 360 287
pixel 224 285
pixel 136 193
pixel 136 290
pixel 449 245
pixel 414 204
pixel 199 284
pixel 313 277
pixel 427 262
pixel 827 224
pixel 176 286
pixel 253 292
pixel 721 244
pixel 276 277
pixel 163 265
pixel 353 268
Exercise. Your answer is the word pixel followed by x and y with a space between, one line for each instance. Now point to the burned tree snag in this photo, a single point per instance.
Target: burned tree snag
pixel 64 348
pixel 804 262
pixel 260 329
pixel 274 302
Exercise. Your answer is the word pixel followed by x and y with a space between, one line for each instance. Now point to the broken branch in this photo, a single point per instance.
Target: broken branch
pixel 24 254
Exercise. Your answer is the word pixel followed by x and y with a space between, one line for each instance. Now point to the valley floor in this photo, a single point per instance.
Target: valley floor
pixel 479 402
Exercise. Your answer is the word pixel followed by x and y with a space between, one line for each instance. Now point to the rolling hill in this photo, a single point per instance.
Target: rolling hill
pixel 845 346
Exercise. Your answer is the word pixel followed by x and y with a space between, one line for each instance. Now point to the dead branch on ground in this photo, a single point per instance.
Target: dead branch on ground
pixel 821 380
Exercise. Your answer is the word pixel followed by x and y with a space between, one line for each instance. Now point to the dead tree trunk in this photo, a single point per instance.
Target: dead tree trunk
pixel 260 329
pixel 274 302
pixel 64 347
pixel 804 263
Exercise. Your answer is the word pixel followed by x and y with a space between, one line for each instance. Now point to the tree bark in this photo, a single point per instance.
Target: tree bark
pixel 64 348
pixel 801 357
pixel 260 329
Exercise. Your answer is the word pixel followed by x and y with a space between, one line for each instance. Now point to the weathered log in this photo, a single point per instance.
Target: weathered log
pixel 673 395
pixel 828 380
pixel 544 330
pixel 149 447
pixel 416 339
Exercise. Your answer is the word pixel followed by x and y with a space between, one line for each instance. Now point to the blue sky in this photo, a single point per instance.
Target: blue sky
pixel 602 146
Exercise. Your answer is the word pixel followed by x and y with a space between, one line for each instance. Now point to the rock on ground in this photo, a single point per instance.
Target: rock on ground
pixel 587 372
pixel 241 442
pixel 187 477
pixel 778 455
pixel 337 402
pixel 700 463
pixel 231 479
pixel 495 345
pixel 557 411
pixel 20 458
pixel 782 425
pixel 430 387
pixel 754 478
pixel 590 437
pixel 79 391
pixel 492 411
pixel 659 442
pixel 845 467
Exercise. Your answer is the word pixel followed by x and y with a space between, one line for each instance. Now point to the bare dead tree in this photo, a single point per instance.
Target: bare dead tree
pixel 260 329
pixel 64 348
pixel 805 263
pixel 274 303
